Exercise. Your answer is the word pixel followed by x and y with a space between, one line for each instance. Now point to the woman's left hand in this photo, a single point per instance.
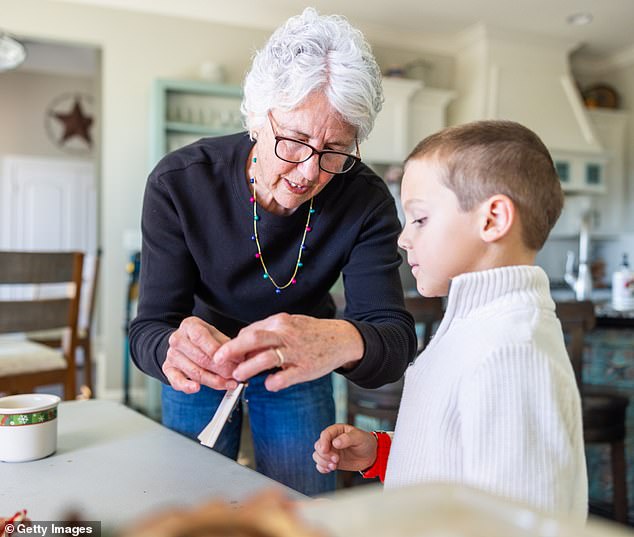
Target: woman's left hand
pixel 305 348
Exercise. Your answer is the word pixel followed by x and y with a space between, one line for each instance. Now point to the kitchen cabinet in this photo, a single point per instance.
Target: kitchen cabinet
pixel 605 198
pixel 581 173
pixel 610 127
pixel 185 110
pixel 410 112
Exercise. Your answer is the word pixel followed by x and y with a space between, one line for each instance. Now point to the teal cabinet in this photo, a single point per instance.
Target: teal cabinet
pixel 184 111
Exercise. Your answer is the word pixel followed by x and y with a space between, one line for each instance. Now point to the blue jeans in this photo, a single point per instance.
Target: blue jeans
pixel 285 425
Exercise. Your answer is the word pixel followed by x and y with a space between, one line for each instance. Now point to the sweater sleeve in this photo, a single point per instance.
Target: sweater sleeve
pixel 521 424
pixel 168 274
pixel 374 300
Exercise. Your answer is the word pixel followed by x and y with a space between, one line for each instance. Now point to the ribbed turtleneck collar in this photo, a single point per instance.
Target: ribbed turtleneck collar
pixel 477 290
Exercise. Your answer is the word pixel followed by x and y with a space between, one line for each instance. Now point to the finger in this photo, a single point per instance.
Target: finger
pixel 218 335
pixel 325 446
pixel 179 381
pixel 322 448
pixel 181 341
pixel 246 343
pixel 262 361
pixel 342 441
pixel 204 336
pixel 193 373
pixel 322 469
pixel 288 377
pixel 321 461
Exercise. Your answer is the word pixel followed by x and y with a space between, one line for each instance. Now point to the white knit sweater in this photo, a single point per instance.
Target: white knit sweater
pixel 492 401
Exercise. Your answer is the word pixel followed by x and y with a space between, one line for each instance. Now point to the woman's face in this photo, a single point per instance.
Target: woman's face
pixel 284 186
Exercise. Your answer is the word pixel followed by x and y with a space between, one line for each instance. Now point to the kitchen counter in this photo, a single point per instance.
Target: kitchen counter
pixel 607 317
pixel 113 465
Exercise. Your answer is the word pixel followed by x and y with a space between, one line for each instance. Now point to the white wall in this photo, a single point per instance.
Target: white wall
pixel 135 50
pixel 24 98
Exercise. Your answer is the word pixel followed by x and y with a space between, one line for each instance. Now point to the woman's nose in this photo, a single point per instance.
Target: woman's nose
pixel 310 168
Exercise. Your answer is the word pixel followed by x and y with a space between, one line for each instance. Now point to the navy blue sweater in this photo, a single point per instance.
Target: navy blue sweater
pixel 198 258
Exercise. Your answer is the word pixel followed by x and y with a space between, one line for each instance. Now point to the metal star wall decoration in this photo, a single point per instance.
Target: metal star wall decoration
pixel 75 123
pixel 68 124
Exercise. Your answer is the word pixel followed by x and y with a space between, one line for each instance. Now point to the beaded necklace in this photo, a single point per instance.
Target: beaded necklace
pixel 255 237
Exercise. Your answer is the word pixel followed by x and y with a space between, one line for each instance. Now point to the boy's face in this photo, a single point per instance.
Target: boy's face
pixel 441 241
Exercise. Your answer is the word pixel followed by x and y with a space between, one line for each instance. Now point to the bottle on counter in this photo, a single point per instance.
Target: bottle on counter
pixel 623 287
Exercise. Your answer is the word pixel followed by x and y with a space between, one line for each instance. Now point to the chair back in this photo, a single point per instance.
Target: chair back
pixel 426 312
pixel 19 268
pixel 92 265
pixel 577 318
pixel 20 313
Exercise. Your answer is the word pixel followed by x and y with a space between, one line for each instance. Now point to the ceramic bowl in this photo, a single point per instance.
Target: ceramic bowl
pixel 28 426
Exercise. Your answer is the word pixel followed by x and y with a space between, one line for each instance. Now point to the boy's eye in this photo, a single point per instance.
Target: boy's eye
pixel 420 221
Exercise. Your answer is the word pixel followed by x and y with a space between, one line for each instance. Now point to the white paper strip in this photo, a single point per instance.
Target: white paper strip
pixel 211 432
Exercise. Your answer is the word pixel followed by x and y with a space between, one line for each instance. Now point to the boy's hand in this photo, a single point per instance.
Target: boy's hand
pixel 344 447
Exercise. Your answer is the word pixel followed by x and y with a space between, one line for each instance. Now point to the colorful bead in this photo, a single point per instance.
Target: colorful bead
pixel 258 255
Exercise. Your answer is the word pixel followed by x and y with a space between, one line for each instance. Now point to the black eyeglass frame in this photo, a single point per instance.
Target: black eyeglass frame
pixel 354 158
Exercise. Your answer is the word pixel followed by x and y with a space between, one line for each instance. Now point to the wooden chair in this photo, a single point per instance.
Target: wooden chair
pixel 427 312
pixel 86 315
pixel 53 338
pixel 382 403
pixel 603 412
pixel 24 364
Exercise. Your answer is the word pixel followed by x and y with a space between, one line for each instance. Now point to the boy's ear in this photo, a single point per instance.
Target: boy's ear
pixel 498 216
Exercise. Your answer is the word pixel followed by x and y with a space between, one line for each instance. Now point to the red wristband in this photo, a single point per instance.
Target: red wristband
pixel 383 445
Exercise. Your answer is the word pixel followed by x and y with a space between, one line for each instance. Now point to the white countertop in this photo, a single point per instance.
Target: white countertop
pixel 113 465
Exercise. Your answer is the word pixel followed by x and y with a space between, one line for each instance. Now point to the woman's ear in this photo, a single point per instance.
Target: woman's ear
pixel 498 217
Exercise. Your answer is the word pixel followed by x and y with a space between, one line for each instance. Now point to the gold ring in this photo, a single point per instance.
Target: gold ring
pixel 279 355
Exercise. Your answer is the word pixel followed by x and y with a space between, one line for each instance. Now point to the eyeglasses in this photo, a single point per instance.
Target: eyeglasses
pixel 291 150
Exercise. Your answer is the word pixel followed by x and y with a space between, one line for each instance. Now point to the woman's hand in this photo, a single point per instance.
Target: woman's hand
pixel 189 358
pixel 303 347
pixel 344 447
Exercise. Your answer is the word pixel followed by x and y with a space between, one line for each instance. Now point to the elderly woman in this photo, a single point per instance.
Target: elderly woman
pixel 244 236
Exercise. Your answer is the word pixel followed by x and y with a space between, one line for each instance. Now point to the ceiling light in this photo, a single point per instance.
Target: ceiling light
pixel 579 19
pixel 12 52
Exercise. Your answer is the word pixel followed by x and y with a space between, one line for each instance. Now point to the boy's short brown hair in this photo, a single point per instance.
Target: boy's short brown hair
pixel 484 158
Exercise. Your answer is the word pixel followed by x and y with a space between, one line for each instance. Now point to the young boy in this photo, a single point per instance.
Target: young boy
pixel 492 401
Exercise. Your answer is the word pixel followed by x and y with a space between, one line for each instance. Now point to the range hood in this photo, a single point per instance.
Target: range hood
pixel 526 78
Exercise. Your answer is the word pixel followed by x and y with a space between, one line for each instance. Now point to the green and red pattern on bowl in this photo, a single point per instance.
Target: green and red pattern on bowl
pixel 30 418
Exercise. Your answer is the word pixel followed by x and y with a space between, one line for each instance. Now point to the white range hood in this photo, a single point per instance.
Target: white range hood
pixel 526 78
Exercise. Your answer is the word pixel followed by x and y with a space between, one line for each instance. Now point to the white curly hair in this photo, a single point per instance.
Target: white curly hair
pixel 312 52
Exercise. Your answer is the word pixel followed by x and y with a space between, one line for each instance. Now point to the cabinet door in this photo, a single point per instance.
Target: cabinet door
pixel 610 128
pixel 389 141
pixel 48 204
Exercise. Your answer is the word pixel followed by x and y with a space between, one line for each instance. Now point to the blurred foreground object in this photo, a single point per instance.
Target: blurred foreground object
pixel 267 514
pixel 441 510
